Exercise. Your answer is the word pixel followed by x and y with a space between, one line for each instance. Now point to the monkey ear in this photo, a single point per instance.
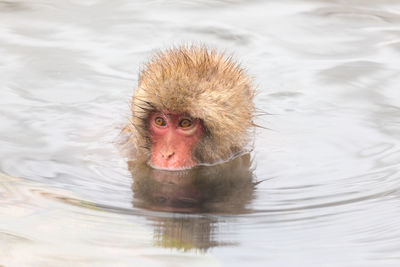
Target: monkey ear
pixel 127 143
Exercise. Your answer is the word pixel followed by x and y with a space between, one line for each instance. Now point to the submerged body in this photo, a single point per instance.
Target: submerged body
pixel 192 105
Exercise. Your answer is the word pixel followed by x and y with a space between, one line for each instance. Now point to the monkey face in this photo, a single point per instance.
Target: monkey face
pixel 173 137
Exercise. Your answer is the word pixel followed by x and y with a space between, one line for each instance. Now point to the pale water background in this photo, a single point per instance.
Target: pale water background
pixel 328 72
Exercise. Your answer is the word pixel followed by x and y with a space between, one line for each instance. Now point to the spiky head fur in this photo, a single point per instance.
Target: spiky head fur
pixel 204 84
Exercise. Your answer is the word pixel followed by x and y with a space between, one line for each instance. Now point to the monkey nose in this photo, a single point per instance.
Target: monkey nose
pixel 167 154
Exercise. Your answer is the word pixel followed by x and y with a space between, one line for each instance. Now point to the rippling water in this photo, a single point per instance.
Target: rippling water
pixel 321 188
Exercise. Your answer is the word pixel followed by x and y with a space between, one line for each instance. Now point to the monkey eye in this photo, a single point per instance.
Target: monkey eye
pixel 160 121
pixel 185 123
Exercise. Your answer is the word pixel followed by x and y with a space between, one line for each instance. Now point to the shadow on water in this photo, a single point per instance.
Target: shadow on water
pixel 192 198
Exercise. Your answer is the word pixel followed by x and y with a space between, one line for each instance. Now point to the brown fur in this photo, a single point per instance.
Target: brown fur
pixel 206 85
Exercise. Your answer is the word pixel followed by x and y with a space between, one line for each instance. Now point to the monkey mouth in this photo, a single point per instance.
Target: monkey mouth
pixel 171 167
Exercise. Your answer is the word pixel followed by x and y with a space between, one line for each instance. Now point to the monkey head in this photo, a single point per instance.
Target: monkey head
pixel 191 106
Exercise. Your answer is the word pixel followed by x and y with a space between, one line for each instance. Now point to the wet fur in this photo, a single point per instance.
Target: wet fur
pixel 204 84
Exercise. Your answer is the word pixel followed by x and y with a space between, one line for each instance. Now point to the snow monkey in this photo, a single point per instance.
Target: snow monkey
pixel 192 106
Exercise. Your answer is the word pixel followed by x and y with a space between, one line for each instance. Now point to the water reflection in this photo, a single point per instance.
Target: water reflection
pixel 226 188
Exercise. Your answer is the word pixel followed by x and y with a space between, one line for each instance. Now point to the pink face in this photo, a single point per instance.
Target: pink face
pixel 173 138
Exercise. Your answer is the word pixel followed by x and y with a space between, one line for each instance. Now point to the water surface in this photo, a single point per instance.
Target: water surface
pixel 320 188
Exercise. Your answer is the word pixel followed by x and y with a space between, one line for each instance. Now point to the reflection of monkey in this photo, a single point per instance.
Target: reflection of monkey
pixel 224 188
pixel 192 105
